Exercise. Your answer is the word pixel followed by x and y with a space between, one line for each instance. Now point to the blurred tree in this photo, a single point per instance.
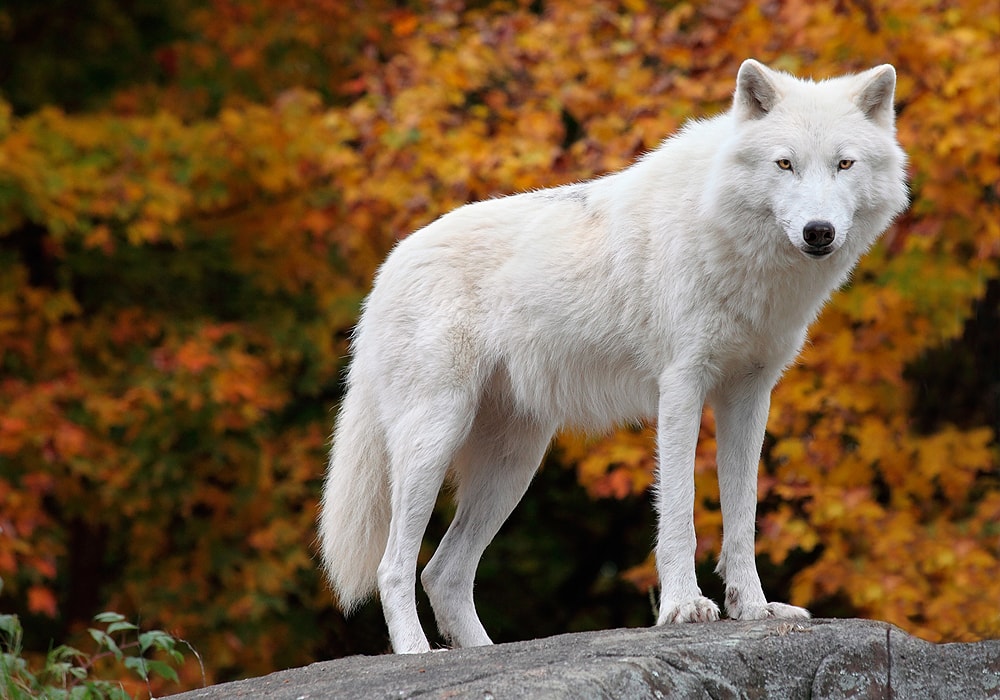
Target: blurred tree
pixel 959 382
pixel 74 54
pixel 181 264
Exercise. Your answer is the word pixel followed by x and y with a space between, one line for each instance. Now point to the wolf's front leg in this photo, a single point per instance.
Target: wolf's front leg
pixel 740 418
pixel 677 437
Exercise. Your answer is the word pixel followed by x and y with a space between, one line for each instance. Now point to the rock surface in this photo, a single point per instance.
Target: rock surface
pixel 766 659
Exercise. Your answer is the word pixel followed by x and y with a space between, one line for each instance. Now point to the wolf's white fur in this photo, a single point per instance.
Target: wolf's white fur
pixel 683 279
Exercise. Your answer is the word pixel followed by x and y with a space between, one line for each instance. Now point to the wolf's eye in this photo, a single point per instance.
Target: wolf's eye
pixel 786 164
pixel 845 164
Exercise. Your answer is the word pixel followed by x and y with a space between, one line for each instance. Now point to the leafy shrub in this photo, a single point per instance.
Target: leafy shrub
pixel 69 673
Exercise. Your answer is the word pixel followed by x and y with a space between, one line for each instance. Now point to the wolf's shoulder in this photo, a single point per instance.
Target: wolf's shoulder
pixel 692 146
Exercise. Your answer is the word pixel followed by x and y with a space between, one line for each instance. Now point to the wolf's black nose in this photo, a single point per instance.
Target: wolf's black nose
pixel 818 233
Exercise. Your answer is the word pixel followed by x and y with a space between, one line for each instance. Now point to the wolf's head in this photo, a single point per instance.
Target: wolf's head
pixel 818 159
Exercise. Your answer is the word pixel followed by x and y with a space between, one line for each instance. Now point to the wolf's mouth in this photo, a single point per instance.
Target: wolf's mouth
pixel 817 252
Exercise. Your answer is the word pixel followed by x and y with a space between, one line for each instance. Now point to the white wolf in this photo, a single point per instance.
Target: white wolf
pixel 690 276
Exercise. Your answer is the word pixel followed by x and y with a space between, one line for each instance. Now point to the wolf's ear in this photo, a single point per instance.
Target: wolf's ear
pixel 874 97
pixel 756 91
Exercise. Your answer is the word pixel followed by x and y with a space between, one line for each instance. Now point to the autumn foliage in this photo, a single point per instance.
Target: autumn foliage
pixel 181 264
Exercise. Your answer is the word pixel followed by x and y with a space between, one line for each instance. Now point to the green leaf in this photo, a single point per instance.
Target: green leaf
pixel 117 693
pixel 64 652
pixel 104 640
pixel 163 669
pixel 156 638
pixel 109 617
pixel 139 665
pixel 58 670
pixel 10 625
pixel 121 626
pixel 14 665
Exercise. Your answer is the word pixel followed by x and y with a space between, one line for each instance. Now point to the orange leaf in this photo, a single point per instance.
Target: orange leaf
pixel 41 600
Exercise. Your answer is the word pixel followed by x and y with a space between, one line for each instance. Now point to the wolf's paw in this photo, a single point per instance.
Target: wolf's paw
pixel 737 609
pixel 763 611
pixel 699 609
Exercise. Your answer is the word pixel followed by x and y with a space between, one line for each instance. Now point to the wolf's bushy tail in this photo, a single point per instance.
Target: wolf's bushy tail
pixel 356 508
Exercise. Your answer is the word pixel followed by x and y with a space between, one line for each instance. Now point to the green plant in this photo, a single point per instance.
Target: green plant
pixel 68 672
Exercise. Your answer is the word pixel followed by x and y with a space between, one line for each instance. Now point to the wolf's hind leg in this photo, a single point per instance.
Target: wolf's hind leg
pixel 493 471
pixel 422 444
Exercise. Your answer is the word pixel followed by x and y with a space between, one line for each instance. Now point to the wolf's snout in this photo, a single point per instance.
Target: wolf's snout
pixel 818 234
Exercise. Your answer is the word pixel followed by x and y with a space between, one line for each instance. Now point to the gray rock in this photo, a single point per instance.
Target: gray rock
pixel 767 659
